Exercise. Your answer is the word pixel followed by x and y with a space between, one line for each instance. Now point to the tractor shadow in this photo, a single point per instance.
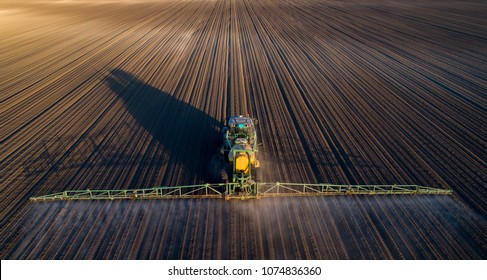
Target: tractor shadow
pixel 189 136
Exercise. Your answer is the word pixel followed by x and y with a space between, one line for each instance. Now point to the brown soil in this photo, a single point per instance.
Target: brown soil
pixel 130 94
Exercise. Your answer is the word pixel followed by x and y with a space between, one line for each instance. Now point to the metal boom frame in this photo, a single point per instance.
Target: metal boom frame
pixel 227 191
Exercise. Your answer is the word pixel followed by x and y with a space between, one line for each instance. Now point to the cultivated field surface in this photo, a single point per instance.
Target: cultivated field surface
pixel 132 94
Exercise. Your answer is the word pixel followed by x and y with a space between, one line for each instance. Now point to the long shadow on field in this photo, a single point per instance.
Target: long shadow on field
pixel 189 136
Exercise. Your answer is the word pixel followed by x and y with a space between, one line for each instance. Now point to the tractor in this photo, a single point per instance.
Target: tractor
pixel 239 150
pixel 241 175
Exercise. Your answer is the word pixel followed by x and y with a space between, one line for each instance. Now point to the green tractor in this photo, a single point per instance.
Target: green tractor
pixel 239 149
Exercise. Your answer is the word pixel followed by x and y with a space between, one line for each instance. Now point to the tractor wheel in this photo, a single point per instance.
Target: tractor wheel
pixel 258 174
pixel 224 174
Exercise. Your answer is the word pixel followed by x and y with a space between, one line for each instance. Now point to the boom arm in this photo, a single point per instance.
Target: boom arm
pixel 259 190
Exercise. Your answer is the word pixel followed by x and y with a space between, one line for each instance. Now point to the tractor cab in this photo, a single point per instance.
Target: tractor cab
pixel 238 128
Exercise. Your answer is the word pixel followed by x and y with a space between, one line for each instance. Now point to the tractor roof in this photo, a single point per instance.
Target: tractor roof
pixel 236 120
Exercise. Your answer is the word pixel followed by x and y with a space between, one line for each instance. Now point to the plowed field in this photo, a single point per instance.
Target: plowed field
pixel 131 94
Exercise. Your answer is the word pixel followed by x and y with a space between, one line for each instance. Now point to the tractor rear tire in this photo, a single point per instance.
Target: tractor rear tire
pixel 258 174
pixel 224 175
